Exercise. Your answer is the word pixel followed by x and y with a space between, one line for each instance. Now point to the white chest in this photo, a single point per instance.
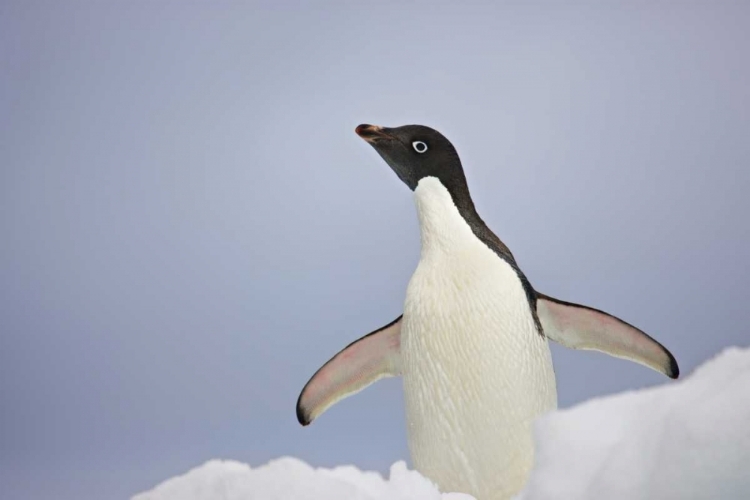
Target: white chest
pixel 476 372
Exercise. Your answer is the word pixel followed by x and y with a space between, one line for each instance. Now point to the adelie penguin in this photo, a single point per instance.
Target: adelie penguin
pixel 471 344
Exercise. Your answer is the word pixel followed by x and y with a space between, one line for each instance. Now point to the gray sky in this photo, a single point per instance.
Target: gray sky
pixel 190 226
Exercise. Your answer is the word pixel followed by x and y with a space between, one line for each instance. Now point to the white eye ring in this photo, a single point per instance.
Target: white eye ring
pixel 419 146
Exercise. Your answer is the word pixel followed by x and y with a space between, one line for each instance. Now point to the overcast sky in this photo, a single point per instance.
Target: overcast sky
pixel 190 226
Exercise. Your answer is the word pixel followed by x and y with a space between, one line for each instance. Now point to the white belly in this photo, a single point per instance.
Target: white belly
pixel 476 372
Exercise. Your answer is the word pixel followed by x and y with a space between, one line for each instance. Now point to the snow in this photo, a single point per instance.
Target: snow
pixel 684 440
pixel 680 440
pixel 290 478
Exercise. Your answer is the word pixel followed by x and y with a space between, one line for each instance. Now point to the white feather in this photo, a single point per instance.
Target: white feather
pixel 476 372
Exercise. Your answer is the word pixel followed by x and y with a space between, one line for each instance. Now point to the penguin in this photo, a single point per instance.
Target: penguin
pixel 472 342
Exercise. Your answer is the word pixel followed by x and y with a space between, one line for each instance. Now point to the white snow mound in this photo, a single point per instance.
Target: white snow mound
pixel 292 479
pixel 686 440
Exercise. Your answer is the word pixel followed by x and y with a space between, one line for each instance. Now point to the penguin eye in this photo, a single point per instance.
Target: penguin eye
pixel 419 146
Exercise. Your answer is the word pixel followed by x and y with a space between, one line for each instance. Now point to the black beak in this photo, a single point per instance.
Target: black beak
pixel 372 133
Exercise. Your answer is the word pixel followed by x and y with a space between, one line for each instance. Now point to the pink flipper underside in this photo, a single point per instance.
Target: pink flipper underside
pixel 364 361
pixel 581 327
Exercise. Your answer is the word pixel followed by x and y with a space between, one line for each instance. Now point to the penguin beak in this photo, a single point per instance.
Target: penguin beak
pixel 372 133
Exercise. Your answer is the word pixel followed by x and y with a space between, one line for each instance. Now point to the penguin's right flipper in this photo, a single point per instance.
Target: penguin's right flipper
pixel 364 361
pixel 582 327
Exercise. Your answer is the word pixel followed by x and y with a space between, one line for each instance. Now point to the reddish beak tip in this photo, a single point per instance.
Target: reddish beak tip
pixel 360 130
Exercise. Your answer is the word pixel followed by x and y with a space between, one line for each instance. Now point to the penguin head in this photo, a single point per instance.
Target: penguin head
pixel 415 152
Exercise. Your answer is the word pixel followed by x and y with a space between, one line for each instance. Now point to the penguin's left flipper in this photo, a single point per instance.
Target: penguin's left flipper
pixel 364 361
pixel 582 327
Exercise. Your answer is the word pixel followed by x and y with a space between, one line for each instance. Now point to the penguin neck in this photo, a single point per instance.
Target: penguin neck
pixel 445 218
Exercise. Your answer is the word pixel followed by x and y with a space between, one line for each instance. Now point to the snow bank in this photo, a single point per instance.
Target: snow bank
pixel 681 440
pixel 291 479
pixel 685 440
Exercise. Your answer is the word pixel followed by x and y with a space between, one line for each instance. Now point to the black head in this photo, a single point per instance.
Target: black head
pixel 415 152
